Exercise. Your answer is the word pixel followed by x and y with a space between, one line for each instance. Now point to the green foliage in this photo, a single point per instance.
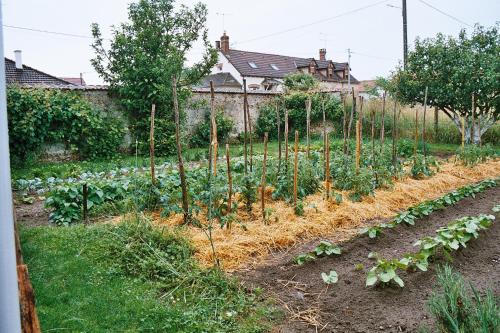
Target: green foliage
pixel 299 208
pixel 362 184
pixel 323 249
pixel 423 166
pixel 201 134
pixel 44 116
pixel 471 155
pixel 457 308
pixel 156 40
pixel 300 81
pixel 384 272
pixel 330 278
pixel 146 272
pixel 454 69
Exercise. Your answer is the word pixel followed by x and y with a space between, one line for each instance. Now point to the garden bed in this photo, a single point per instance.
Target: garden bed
pixel 238 248
pixel 349 306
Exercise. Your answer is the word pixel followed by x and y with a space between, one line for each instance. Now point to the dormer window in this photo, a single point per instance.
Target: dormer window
pixel 312 68
pixel 330 70
pixel 273 66
pixel 252 64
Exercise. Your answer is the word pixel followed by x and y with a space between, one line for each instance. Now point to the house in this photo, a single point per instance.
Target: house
pixel 264 71
pixel 79 81
pixel 16 73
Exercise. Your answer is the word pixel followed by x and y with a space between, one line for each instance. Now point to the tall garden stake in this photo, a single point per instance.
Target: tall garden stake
pixel 308 125
pixel 295 168
pixel 360 117
pixel 213 127
pixel 324 130
pixel 351 118
pixel 415 148
pixel 278 121
pixel 286 139
pixel 423 125
pixel 229 184
pixel 344 125
pixel 327 166
pixel 473 119
pixel 436 123
pixel 394 134
pixel 382 123
pixel 185 206
pixel 358 144
pixel 245 124
pixel 263 181
pixel 249 122
pixel 152 144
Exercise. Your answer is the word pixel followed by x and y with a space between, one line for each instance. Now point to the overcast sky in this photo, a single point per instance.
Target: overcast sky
pixel 290 27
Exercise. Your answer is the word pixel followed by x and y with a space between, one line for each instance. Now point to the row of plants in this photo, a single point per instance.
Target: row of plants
pixel 471 155
pixel 425 208
pixel 448 239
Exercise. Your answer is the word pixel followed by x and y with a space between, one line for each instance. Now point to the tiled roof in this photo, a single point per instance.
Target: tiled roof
pixel 277 66
pixel 29 75
pixel 220 80
pixel 74 80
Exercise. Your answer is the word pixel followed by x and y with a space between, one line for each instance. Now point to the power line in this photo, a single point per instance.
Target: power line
pixel 48 31
pixel 312 23
pixel 445 14
pixel 372 56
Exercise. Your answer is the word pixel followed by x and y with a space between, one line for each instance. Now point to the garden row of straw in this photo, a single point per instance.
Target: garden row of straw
pixel 238 248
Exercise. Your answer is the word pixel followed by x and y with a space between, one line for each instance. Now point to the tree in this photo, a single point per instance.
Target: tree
pixel 143 56
pixel 454 70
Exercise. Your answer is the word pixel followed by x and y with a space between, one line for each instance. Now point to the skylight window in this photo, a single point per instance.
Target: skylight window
pixel 252 64
pixel 273 66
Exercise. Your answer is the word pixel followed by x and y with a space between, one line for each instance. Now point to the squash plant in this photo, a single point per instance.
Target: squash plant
pixel 385 272
pixel 324 248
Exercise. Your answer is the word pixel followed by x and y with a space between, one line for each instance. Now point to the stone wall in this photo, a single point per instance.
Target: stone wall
pixel 229 100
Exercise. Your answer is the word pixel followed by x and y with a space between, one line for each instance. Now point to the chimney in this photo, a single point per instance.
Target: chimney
pixel 19 59
pixel 224 43
pixel 322 54
pixel 217 45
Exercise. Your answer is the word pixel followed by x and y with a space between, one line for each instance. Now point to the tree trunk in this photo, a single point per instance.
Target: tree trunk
pixel 185 206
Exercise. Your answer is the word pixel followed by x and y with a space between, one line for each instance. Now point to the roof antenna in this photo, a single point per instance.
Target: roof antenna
pixel 323 37
pixel 223 19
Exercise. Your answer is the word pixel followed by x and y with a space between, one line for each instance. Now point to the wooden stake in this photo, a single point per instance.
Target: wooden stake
pixel 463 133
pixel 245 124
pixel 358 144
pixel 423 125
pixel 278 121
pixel 473 119
pixel 415 148
pixel 327 166
pixel 344 125
pixel 263 181
pixel 85 203
pixel 360 117
pixel 295 168
pixel 182 174
pixel 29 317
pixel 373 136
pixel 394 135
pixel 213 127
pixel 382 123
pixel 229 183
pixel 152 144
pixel 286 138
pixel 353 111
pixel 308 125
pixel 250 135
pixel 324 128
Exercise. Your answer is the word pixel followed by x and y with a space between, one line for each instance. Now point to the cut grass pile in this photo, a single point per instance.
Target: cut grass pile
pixel 237 248
pixel 132 277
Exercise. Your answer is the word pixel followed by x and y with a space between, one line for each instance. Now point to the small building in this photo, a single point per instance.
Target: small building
pixel 264 71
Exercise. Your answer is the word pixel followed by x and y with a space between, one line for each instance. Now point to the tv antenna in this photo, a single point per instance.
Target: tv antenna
pixel 223 19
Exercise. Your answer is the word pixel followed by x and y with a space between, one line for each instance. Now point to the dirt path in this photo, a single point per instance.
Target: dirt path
pixel 349 306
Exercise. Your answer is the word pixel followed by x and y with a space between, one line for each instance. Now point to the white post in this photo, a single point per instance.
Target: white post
pixel 10 318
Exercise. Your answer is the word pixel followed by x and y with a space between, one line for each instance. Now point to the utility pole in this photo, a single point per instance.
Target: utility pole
pixel 348 70
pixel 405 35
pixel 10 318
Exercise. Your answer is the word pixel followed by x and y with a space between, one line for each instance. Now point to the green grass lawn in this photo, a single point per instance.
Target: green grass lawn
pixel 131 278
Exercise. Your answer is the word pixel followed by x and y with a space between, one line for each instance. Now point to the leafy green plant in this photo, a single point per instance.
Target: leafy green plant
pixel 385 272
pixel 422 167
pixel 324 248
pixel 201 135
pixel 299 208
pixel 471 155
pixel 330 278
pixel 362 184
pixel 375 231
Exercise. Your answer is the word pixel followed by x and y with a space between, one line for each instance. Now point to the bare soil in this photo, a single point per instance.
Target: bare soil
pixel 31 215
pixel 349 306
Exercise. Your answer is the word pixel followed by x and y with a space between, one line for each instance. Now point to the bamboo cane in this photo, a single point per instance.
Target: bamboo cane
pixel 382 124
pixel 213 127
pixel 152 144
pixel 278 121
pixel 308 125
pixel 295 168
pixel 358 144
pixel 229 183
pixel 415 148
pixel 286 138
pixel 263 180
pixel 327 166
pixel 423 124
pixel 245 129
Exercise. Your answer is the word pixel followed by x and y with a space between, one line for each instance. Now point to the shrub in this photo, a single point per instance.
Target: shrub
pixel 40 116
pixel 471 155
pixel 201 134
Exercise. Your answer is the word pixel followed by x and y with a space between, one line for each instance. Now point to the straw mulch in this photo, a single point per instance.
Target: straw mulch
pixel 238 248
